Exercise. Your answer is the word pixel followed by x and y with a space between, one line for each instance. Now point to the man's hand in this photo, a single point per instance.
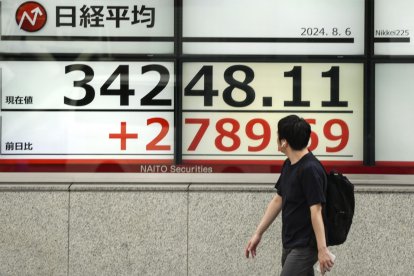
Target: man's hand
pixel 252 245
pixel 326 260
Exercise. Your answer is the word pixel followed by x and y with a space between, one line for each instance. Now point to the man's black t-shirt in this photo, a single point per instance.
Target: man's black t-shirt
pixel 300 185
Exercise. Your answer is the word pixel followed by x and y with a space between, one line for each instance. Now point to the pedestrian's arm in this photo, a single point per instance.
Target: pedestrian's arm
pixel 324 257
pixel 272 211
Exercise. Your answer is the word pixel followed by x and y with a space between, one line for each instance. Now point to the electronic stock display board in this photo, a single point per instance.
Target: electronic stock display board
pixel 204 86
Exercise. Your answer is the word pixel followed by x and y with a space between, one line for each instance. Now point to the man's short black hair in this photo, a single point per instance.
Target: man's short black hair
pixel 295 130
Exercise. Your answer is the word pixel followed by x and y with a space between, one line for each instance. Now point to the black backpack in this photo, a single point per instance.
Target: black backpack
pixel 339 208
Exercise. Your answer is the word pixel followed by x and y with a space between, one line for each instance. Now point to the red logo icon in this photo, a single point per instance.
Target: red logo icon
pixel 31 16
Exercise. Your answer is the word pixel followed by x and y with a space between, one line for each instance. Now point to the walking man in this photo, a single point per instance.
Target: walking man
pixel 300 196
